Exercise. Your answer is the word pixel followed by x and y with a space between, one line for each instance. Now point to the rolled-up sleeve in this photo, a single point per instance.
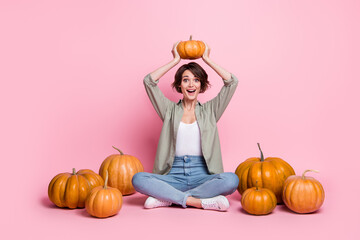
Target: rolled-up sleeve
pixel 157 98
pixel 221 101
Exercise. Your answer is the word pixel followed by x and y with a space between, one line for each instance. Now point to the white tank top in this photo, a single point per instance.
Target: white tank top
pixel 188 141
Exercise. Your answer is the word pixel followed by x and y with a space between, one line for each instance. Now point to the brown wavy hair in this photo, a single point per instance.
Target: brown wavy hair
pixel 198 72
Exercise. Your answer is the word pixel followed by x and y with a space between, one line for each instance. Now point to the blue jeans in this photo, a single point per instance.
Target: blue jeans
pixel 188 176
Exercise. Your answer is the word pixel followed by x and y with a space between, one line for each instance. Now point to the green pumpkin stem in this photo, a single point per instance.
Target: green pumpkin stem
pixel 262 155
pixel 106 179
pixel 309 170
pixel 74 171
pixel 121 153
pixel 190 37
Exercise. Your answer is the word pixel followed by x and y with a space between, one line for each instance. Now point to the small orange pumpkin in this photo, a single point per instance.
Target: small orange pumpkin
pixel 270 172
pixel 303 194
pixel 191 49
pixel 258 201
pixel 104 201
pixel 121 168
pixel 71 190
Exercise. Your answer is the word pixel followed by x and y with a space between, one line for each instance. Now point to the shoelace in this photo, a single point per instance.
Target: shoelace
pixel 211 204
pixel 163 203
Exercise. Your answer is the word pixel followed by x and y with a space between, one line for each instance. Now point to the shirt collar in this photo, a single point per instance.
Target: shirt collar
pixel 180 101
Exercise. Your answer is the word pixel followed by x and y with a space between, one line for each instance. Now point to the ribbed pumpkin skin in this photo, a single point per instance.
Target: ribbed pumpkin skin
pixel 303 195
pixel 270 173
pixel 93 178
pixel 104 202
pixel 259 201
pixel 191 49
pixel 71 190
pixel 121 168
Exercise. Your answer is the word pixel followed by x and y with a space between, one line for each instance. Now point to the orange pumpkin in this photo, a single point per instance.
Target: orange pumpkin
pixel 303 194
pixel 258 201
pixel 270 173
pixel 71 190
pixel 104 201
pixel 121 169
pixel 191 49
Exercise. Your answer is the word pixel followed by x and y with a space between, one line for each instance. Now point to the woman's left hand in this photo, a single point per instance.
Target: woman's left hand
pixel 206 54
pixel 219 70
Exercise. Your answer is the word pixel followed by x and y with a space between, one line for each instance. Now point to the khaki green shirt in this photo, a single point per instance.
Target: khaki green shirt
pixel 207 115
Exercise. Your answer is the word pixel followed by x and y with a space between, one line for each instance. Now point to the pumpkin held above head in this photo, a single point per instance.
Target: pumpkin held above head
pixel 191 49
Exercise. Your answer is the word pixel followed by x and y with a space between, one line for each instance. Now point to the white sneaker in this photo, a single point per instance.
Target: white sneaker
pixel 154 203
pixel 219 203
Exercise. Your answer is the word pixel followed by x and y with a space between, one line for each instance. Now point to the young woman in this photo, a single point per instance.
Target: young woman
pixel 188 168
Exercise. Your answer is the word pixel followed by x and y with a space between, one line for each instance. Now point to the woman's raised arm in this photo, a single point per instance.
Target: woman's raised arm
pixel 157 98
pixel 219 70
pixel 158 73
pixel 219 103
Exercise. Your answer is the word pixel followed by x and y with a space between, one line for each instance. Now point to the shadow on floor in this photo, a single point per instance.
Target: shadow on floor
pixel 136 200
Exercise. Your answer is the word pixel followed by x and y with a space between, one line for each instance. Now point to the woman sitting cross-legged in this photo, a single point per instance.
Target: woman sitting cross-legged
pixel 188 169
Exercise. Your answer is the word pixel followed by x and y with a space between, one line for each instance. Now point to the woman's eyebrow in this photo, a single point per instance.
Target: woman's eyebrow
pixel 188 76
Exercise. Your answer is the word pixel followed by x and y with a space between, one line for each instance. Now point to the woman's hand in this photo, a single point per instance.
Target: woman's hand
pixel 175 53
pixel 206 54
pixel 158 73
pixel 219 70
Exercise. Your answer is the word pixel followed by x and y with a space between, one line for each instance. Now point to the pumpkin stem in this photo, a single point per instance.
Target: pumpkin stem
pixel 106 179
pixel 74 171
pixel 190 37
pixel 256 185
pixel 121 153
pixel 309 170
pixel 262 155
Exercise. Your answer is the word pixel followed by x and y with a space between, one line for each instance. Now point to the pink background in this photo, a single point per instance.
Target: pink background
pixel 71 87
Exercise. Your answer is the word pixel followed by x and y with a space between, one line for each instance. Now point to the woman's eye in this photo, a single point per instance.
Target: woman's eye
pixel 197 80
pixel 185 80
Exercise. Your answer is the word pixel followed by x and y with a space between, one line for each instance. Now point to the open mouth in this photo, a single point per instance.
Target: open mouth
pixel 191 91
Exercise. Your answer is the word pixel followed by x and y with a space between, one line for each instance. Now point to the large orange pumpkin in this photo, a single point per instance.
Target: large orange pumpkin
pixel 71 190
pixel 191 49
pixel 258 201
pixel 121 169
pixel 104 201
pixel 270 173
pixel 303 194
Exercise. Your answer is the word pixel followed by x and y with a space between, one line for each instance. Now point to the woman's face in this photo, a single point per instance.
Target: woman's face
pixel 190 85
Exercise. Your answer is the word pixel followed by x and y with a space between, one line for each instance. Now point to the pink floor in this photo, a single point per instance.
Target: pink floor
pixel 45 221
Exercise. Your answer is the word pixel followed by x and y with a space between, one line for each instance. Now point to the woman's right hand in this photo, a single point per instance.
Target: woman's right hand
pixel 158 73
pixel 175 52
